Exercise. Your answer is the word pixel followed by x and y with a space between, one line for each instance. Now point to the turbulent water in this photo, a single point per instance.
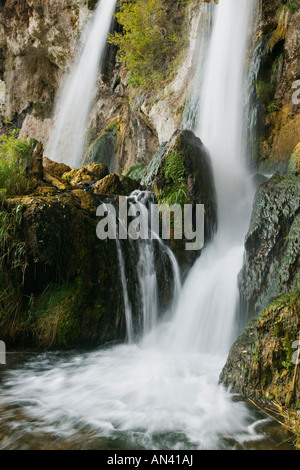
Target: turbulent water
pixel 67 140
pixel 163 392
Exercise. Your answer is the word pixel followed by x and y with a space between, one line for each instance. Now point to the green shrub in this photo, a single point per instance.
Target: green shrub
pixel 14 156
pixel 151 38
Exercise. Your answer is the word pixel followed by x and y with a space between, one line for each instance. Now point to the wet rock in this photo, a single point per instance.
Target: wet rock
pixel 54 168
pixel 261 364
pixel 272 259
pixel 181 173
pixel 103 149
pixel 116 185
pixel 66 286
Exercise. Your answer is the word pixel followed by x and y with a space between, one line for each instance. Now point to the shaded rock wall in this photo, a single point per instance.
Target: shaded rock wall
pixel 272 259
pixel 37 44
pixel 278 118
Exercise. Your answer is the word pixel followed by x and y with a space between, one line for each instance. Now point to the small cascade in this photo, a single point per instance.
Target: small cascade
pixel 67 140
pixel 144 253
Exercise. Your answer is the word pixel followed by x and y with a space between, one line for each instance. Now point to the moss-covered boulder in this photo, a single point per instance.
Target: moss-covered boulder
pixel 103 149
pixel 54 168
pixel 181 173
pixel 272 260
pixel 184 175
pixel 114 184
pixel 60 284
pixel 88 174
pixel 262 363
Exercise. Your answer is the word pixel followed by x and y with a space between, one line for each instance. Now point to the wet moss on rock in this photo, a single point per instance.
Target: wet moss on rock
pixel 260 363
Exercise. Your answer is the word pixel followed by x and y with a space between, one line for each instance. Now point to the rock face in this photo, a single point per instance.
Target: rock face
pixel 262 362
pixel 37 46
pixel 272 261
pixel 277 84
pixel 37 42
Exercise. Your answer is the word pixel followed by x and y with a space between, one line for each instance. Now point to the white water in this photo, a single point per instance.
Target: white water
pixel 205 318
pixel 163 392
pixel 67 140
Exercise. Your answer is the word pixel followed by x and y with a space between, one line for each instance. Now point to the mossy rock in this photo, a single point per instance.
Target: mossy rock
pixel 271 265
pixel 116 185
pixel 88 174
pixel 103 149
pixel 54 168
pixel 181 173
pixel 294 163
pixel 261 362
pixel 97 170
pixel 136 172
pixel 66 291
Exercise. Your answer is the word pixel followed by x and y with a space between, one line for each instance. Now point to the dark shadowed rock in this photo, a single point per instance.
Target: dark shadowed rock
pixel 272 261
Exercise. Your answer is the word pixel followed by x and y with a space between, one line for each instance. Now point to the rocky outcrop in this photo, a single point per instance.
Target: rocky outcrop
pixel 37 44
pixel 262 364
pixel 181 173
pixel 277 84
pixel 272 260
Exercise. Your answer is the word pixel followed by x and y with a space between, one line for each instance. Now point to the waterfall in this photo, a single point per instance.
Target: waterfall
pixel 205 318
pixel 162 392
pixel 67 140
pixel 146 268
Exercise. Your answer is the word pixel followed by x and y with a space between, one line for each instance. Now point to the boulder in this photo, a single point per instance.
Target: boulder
pixel 54 168
pixel 116 185
pixel 60 284
pixel 89 174
pixel 181 173
pixel 262 362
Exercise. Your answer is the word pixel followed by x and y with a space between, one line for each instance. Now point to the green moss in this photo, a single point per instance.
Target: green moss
pixel 56 315
pixel 264 91
pixel 289 6
pixel 136 172
pixel 102 150
pixel 272 108
pixel 175 190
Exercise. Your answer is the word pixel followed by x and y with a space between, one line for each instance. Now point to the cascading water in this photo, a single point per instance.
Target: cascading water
pixel 207 308
pixel 163 391
pixel 67 140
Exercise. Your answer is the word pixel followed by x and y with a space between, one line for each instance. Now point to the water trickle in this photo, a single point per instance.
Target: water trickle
pixel 67 140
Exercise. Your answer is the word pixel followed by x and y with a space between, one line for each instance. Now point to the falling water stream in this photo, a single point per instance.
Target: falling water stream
pixel 162 392
pixel 67 140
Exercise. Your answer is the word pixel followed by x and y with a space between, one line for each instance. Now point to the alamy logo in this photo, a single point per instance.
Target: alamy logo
pixel 2 353
pixel 139 222
pixel 296 94
pixel 296 355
